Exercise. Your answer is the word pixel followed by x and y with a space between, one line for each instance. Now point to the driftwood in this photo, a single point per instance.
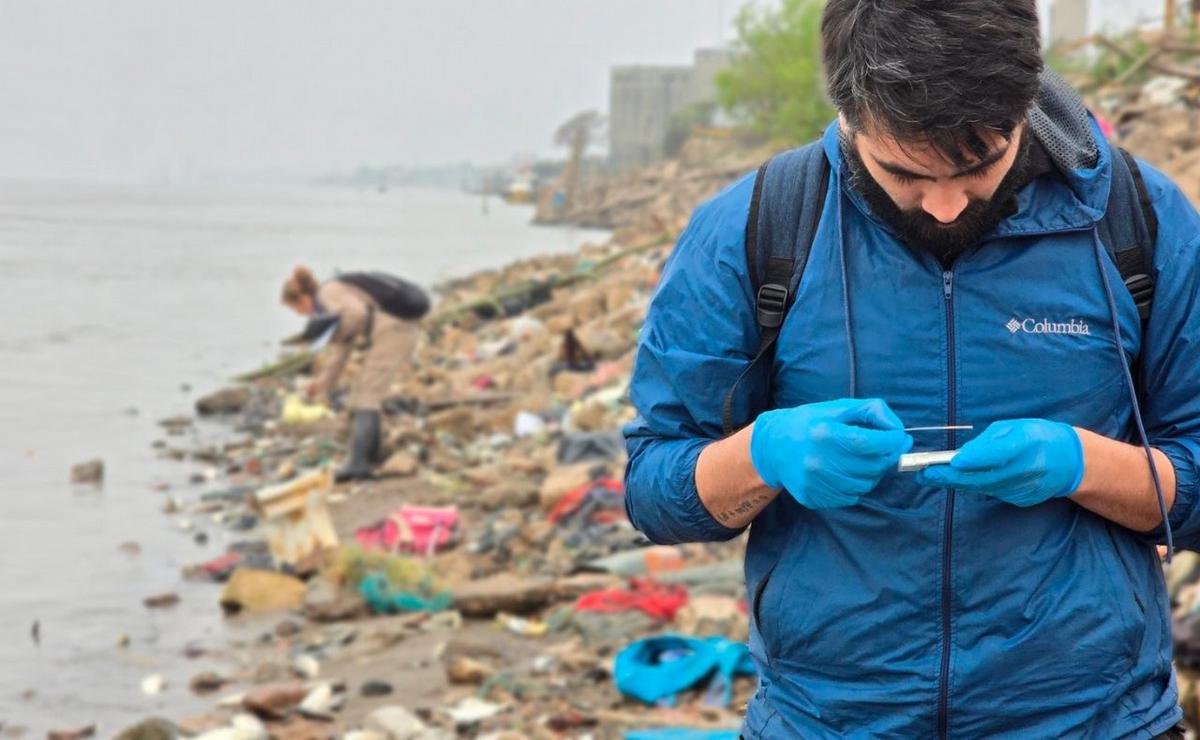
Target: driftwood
pixel 291 365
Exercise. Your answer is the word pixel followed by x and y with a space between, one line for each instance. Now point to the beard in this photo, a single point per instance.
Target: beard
pixel 921 231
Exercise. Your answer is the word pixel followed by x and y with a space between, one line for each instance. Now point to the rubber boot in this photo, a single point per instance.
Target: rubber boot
pixel 364 446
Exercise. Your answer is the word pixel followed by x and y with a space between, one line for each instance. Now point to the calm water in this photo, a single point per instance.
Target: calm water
pixel 120 306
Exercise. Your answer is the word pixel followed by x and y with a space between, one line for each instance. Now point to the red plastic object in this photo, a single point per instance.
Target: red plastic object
pixel 659 600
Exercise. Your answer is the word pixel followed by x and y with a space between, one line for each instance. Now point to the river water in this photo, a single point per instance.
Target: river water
pixel 121 305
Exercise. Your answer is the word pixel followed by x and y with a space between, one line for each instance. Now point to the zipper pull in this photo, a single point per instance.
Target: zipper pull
pixel 948 283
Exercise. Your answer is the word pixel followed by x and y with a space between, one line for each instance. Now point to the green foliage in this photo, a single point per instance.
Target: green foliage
pixel 776 83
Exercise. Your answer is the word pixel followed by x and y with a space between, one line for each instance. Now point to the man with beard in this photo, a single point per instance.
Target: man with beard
pixel 959 275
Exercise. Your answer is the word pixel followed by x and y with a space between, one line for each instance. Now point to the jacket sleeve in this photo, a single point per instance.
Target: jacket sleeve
pixel 1170 356
pixel 699 335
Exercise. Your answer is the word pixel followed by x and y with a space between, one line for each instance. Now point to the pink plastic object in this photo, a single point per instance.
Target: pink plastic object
pixel 416 529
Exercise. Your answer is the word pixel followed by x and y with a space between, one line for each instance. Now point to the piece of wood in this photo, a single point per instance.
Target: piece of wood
pixel 291 365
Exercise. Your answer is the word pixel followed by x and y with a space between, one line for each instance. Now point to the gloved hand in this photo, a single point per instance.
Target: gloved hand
pixel 1023 462
pixel 828 455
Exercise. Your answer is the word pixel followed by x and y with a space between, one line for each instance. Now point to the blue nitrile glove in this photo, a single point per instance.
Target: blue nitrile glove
pixel 1023 462
pixel 828 455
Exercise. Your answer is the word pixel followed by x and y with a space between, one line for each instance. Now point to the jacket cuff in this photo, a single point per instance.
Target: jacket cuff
pixel 1187 487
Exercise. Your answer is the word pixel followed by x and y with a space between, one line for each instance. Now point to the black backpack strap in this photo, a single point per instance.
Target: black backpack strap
pixel 785 210
pixel 1129 230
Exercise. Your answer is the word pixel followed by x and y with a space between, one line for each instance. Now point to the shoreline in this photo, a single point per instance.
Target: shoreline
pixel 468 387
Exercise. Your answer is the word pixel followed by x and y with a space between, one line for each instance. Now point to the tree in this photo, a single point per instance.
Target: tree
pixel 776 83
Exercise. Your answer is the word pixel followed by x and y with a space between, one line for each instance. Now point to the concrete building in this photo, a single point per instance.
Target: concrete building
pixel 642 100
pixel 1067 20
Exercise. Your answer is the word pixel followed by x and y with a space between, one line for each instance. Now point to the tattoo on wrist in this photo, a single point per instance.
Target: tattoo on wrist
pixel 745 507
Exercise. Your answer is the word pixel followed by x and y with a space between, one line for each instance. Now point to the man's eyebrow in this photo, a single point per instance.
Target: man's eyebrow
pixel 979 166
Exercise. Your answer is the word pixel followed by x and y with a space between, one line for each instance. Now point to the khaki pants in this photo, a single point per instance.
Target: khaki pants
pixel 392 344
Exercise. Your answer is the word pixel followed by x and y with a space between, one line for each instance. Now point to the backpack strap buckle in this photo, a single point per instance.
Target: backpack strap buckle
pixel 1141 287
pixel 772 305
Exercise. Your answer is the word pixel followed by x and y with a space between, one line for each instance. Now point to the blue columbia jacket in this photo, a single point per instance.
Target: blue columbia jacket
pixel 919 612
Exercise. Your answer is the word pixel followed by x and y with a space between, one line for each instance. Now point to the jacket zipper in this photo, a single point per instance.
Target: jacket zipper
pixel 947 527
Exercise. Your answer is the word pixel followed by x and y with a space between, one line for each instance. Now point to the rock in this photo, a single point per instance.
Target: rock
pixel 325 601
pixel 471 710
pixel 175 424
pixel 503 592
pixel 463 670
pixel 130 548
pixel 161 601
pixel 258 590
pixel 375 687
pixel 563 480
pixel 274 700
pixel 401 463
pixel 90 472
pixel 206 683
pixel 154 685
pixel 288 628
pixel 242 727
pixel 75 733
pixel 300 728
pixel 395 723
pixel 318 704
pixel 306 666
pixel 227 401
pixel 199 723
pixel 150 729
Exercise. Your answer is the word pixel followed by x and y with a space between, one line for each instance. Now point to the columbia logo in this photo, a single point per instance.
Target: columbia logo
pixel 1047 326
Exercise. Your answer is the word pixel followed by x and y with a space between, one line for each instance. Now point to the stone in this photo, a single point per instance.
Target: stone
pixel 503 592
pixel 318 703
pixel 300 728
pixel 274 700
pixel 75 733
pixel 161 601
pixel 395 723
pixel 90 472
pixel 150 729
pixel 207 682
pixel 463 670
pixel 563 480
pixel 325 601
pixel 288 628
pixel 306 666
pixel 402 463
pixel 154 685
pixel 227 401
pixel 130 548
pixel 251 590
pixel 375 687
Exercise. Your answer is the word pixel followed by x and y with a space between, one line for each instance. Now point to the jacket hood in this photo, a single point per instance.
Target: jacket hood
pixel 1072 138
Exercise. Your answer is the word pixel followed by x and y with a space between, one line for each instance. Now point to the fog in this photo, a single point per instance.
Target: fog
pixel 125 90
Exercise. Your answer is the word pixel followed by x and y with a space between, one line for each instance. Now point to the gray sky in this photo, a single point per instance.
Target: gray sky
pixel 127 89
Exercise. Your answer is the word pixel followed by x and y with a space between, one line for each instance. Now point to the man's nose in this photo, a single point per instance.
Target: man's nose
pixel 945 204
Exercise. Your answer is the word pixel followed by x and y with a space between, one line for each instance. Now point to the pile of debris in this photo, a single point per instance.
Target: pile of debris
pixel 489 580
pixel 659 198
pixel 1148 86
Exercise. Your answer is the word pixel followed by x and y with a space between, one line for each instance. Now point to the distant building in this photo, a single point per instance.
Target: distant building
pixel 642 100
pixel 1074 19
